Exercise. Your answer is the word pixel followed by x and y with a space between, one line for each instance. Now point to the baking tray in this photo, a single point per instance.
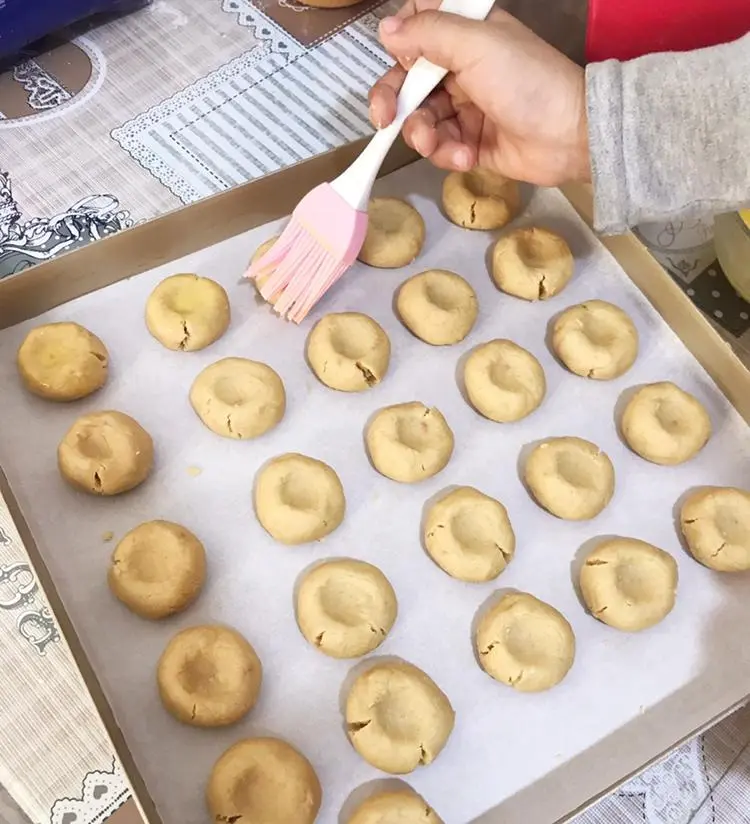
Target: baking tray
pixel 548 754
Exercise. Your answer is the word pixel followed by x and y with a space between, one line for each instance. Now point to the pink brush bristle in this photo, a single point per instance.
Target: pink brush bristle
pixel 318 245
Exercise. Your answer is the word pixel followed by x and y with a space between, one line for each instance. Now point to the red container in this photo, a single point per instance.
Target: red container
pixel 624 29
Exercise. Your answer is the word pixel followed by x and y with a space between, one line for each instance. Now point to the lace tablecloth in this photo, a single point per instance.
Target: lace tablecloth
pixel 136 118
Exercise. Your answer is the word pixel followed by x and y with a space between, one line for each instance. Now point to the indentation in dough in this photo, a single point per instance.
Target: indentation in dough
pixel 715 522
pixel 395 233
pixel 105 453
pixel 238 398
pixel 186 312
pixel 348 351
pixel 628 584
pixel 397 717
pixel 263 780
pixel 298 499
pixel 574 468
pixel 62 362
pixel 409 442
pixel 469 535
pixel 525 643
pixel 345 607
pixel 93 444
pixel 209 676
pixel 664 424
pixel 531 263
pixel 297 492
pixel 480 199
pixel 570 478
pixel 503 381
pixel 595 340
pixel 437 306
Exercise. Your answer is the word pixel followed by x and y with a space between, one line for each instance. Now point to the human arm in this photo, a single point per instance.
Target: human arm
pixel 669 135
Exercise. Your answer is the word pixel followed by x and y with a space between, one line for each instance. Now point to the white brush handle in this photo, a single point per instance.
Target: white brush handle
pixel 355 184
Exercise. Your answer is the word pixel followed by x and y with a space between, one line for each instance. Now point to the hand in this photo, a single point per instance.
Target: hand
pixel 511 103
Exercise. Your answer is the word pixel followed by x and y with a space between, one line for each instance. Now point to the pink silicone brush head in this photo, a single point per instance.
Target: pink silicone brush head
pixel 320 242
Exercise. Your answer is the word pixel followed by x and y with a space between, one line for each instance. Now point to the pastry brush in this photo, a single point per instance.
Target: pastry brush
pixel 327 229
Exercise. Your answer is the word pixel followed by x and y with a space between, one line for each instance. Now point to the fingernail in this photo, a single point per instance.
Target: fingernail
pixel 390 25
pixel 375 119
pixel 462 159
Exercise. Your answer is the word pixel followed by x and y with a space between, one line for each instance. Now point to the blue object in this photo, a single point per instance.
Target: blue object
pixel 22 22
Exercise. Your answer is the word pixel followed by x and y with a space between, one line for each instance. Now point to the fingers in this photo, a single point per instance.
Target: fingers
pixel 440 141
pixel 448 40
pixel 383 96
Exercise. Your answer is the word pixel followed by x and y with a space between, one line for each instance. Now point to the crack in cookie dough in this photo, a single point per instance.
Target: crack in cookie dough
pixel 525 643
pixel 569 477
pixel 62 362
pixel 397 717
pixel 209 676
pixel 157 569
pixel 105 453
pixel 469 535
pixel 263 781
pixel 345 607
pixel 437 306
pixel 238 398
pixel 503 381
pixel 298 499
pixel 187 312
pixel 348 351
pixel 532 263
pixel 395 233
pixel 628 584
pixel 715 523
pixel 595 340
pixel 480 199
pixel 409 442
pixel 401 806
pixel 664 424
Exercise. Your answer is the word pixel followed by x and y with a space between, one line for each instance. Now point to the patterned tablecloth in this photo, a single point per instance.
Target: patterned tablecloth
pixel 136 117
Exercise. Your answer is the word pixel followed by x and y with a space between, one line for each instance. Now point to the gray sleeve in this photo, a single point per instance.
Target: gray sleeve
pixel 669 135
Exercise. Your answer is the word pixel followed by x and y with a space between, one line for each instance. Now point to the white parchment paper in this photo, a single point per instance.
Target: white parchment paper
pixel 695 662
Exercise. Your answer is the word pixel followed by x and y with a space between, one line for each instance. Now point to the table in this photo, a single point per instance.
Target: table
pixel 141 115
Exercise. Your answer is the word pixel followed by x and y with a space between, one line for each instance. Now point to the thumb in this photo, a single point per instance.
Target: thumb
pixel 448 40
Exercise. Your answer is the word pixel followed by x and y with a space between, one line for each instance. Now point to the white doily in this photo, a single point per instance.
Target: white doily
pixel 102 793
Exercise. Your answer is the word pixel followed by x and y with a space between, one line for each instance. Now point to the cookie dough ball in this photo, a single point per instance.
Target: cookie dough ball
pixel 209 676
pixel 263 781
pixel 348 351
pixel 628 584
pixel 238 398
pixel 394 807
pixel 480 199
pixel 438 307
pixel 395 233
pixel 525 643
pixel 157 569
pixel 595 340
pixel 345 608
pixel 257 255
pixel 468 535
pixel 397 717
pixel 504 382
pixel 298 499
pixel 62 362
pixel 187 312
pixel 532 263
pixel 664 424
pixel 571 478
pixel 715 523
pixel 409 442
pixel 105 453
